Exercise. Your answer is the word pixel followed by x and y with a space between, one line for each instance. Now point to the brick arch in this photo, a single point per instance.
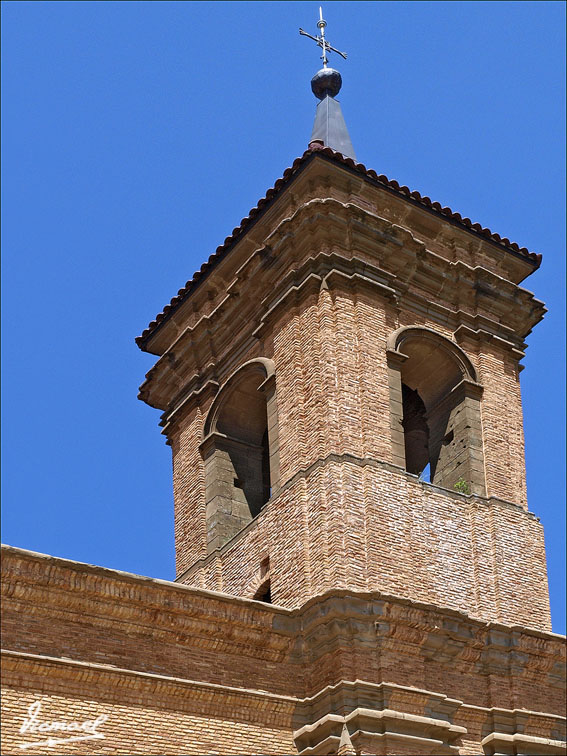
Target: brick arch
pixel 435 408
pixel 240 450
pixel 261 365
pixel 405 334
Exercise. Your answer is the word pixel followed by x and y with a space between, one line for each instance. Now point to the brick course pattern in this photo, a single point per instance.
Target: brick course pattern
pixel 182 670
pixel 319 286
pixel 366 525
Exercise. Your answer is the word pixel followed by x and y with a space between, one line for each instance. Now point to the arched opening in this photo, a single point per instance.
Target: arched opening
pixel 243 421
pixel 240 451
pixel 437 399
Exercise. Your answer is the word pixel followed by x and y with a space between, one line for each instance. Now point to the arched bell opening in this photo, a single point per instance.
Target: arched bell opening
pixel 416 430
pixel 435 402
pixel 240 451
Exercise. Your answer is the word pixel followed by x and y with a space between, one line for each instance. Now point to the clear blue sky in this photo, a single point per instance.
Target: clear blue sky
pixel 136 135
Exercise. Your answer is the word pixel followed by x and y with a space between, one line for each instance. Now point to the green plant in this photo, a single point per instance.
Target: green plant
pixel 462 486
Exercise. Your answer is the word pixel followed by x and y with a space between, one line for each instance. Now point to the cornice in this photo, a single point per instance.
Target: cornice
pixel 401 728
pixel 321 159
pixel 500 744
pixel 349 710
pixel 44 587
pixel 26 574
pixel 121 685
pixel 453 292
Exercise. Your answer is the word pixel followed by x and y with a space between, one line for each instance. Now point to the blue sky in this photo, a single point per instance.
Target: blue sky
pixel 136 136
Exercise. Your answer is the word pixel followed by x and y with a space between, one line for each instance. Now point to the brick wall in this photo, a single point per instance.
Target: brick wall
pixel 144 714
pixel 183 670
pixel 370 527
pixel 362 525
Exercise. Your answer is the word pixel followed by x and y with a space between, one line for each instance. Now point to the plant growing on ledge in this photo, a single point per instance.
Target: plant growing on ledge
pixel 462 486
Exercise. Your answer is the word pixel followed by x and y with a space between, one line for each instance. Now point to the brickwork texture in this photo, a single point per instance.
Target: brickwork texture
pixel 358 571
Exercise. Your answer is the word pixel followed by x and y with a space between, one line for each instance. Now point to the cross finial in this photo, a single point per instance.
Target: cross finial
pixel 321 40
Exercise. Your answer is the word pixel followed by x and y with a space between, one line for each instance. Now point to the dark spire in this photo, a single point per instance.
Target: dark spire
pixel 329 127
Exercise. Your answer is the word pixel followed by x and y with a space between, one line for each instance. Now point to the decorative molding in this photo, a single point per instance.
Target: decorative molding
pixel 520 744
pixel 128 686
pixel 377 252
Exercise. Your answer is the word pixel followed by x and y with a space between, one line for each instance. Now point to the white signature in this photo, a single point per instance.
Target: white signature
pixel 86 730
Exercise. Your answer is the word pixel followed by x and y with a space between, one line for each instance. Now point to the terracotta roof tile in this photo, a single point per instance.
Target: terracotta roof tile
pixel 289 173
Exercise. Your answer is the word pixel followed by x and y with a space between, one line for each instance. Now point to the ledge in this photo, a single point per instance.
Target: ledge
pixel 502 744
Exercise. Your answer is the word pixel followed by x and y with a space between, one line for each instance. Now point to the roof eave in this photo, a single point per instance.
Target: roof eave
pixel 317 150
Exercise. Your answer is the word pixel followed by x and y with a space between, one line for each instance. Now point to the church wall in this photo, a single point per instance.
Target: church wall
pixel 182 670
pixel 143 714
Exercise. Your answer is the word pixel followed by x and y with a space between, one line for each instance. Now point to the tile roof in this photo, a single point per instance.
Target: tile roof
pixel 315 148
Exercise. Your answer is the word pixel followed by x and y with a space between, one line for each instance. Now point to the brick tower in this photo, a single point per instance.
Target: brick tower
pixel 357 569
pixel 347 336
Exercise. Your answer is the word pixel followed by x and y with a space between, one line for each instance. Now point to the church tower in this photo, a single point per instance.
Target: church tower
pixel 358 573
pixel 340 388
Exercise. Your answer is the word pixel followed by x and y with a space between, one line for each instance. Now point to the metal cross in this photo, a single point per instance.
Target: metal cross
pixel 321 41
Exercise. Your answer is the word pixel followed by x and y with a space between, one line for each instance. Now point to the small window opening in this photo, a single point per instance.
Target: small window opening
pixel 264 566
pixel 264 593
pixel 238 483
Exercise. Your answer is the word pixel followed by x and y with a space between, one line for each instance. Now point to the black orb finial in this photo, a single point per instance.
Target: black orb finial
pixel 327 81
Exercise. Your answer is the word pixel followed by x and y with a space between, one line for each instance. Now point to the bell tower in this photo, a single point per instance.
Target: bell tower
pixel 340 388
pixel 358 572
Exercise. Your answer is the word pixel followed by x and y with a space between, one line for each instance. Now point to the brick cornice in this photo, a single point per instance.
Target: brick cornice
pixel 42 586
pixel 325 236
pixel 328 169
pixel 109 607
pixel 26 573
pixel 128 686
